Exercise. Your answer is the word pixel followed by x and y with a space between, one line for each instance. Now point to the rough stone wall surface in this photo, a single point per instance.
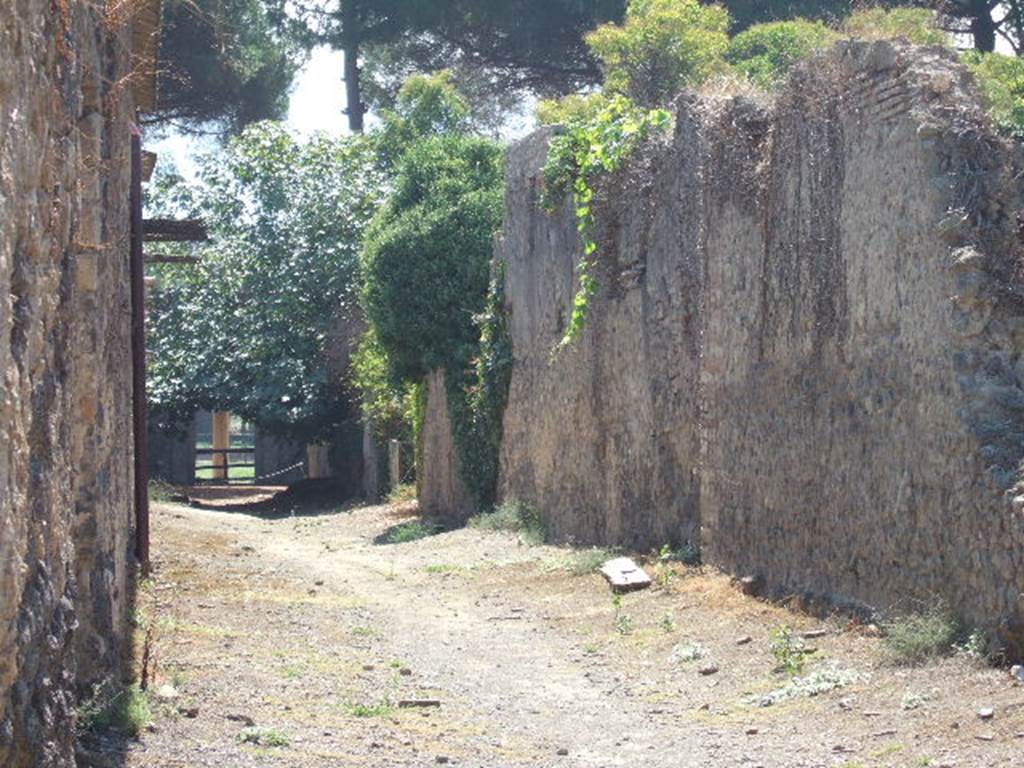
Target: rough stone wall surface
pixel 275 453
pixel 172 453
pixel 65 431
pixel 602 438
pixel 439 487
pixel 805 353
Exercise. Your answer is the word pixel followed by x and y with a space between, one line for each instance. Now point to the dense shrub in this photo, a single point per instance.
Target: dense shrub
pixel 917 25
pixel 1001 80
pixel 426 269
pixel 428 251
pixel 662 47
pixel 766 52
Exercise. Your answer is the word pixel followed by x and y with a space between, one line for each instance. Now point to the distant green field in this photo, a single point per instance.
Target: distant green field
pixel 205 472
pixel 205 469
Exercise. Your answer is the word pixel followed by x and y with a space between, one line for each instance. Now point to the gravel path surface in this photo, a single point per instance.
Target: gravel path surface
pixel 299 641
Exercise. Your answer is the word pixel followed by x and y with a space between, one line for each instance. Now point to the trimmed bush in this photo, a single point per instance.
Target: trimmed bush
pixel 661 47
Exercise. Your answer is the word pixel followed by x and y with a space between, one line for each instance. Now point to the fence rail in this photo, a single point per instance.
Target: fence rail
pixel 222 472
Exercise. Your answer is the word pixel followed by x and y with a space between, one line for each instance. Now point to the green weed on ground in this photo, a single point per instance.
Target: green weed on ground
pixel 789 651
pixel 513 516
pixel 161 491
pixel 382 709
pixel 124 710
pixel 812 684
pixel 915 638
pixel 412 530
pixel 687 554
pixel 264 737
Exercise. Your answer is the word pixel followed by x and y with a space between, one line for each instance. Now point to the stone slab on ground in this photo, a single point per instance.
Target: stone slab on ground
pixel 624 575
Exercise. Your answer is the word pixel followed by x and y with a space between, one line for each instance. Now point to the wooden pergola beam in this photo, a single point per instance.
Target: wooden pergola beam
pixel 174 231
pixel 159 258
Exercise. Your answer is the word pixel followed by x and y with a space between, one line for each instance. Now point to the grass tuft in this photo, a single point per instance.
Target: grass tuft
pixel 588 561
pixel 916 638
pixel 513 516
pixel 264 737
pixel 413 530
pixel 124 710
pixel 381 709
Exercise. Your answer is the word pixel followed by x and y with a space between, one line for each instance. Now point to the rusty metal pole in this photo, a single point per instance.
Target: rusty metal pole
pixel 139 410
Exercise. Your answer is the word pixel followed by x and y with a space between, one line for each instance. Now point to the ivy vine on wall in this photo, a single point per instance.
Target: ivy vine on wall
pixel 591 144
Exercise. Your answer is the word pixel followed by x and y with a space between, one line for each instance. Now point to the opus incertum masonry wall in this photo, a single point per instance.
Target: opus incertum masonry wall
pixel 806 352
pixel 65 398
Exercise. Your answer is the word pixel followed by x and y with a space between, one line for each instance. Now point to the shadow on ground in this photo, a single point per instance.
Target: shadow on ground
pixel 412 529
pixel 307 498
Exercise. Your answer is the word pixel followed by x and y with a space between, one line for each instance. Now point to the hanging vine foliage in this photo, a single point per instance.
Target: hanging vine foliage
pixel 590 146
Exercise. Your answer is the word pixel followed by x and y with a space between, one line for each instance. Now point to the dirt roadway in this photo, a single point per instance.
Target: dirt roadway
pixel 292 641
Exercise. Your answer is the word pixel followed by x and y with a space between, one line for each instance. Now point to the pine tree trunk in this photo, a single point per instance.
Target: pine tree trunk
pixel 983 26
pixel 351 34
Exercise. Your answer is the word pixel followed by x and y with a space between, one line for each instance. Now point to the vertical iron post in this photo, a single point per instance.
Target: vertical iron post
pixel 139 410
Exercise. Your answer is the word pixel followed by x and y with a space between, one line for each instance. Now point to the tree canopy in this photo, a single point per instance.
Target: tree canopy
pixel 428 252
pixel 496 50
pixel 224 64
pixel 248 328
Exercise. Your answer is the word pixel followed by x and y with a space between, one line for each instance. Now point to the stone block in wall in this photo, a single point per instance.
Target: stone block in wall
pixel 440 489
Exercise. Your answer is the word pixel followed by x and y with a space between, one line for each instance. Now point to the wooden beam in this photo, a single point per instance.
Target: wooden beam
pixel 159 258
pixel 139 409
pixel 175 231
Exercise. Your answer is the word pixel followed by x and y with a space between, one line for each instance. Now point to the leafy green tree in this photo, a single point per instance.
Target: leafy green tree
pixel 224 64
pixel 427 105
pixel 427 256
pixel 663 46
pixel 1001 79
pixel 248 328
pixel 496 50
pixel 766 52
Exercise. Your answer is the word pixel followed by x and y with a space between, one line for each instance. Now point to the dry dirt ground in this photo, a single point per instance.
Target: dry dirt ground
pixel 293 641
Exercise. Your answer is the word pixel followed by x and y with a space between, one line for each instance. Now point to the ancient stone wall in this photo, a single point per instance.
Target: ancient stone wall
pixel 805 354
pixel 603 438
pixel 439 486
pixel 65 430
